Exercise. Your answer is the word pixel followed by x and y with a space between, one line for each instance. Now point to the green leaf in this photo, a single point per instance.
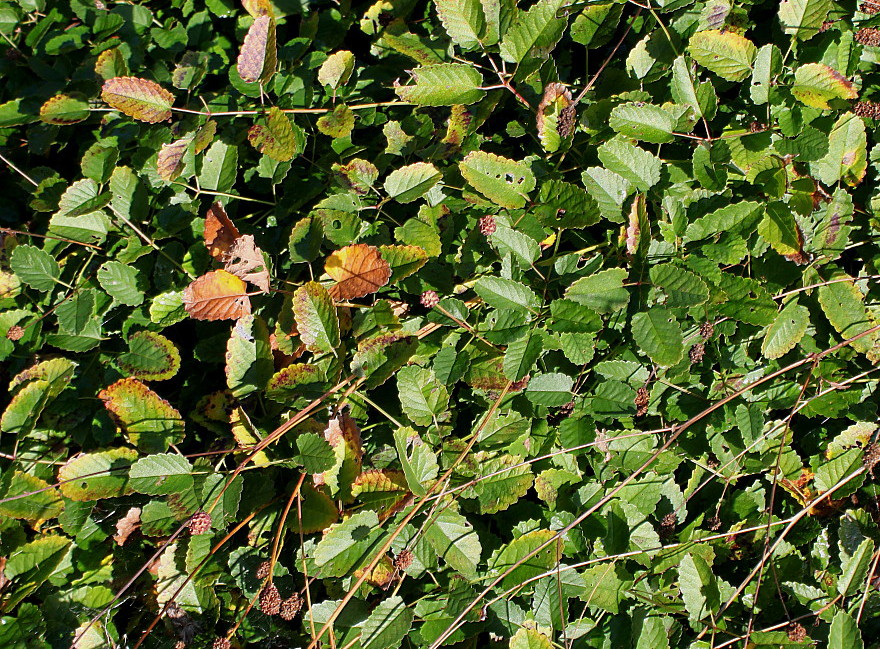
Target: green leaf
pixel 506 294
pixel 161 474
pixel 551 390
pixel 463 21
pixel 609 189
pixel 683 288
pixel 564 205
pixel 855 568
pixel 803 18
pixel 388 624
pixel 843 304
pixel 249 362
pixel 509 241
pixel 346 545
pixel 724 219
pixel 315 453
pixel 513 556
pixel 168 309
pixel 420 467
pixel 403 260
pixel 530 639
pixel 644 122
pixel 829 472
pixel 411 182
pixel 318 511
pixel 150 357
pixel 636 165
pixel 605 586
pixel 150 422
pixel 844 632
pixel 817 84
pixel 603 292
pixel 62 110
pixel 847 153
pixel 505 480
pixel 27 497
pixel 316 319
pixel 726 53
pixel 522 354
pixel 768 65
pixel 337 69
pixel 658 334
pixel 120 282
pixel 780 230
pixel 699 96
pixel 698 588
pixel 534 32
pixel 92 476
pixel 422 398
pixel 454 540
pixel 786 331
pixel 35 267
pixel 443 84
pixel 219 167
pixel 501 180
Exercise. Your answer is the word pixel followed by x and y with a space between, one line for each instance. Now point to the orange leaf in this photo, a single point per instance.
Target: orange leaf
pixel 358 270
pixel 220 232
pixel 138 98
pixel 217 295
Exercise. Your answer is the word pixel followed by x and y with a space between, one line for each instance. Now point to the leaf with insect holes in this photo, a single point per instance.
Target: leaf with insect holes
pixel 258 56
pixel 141 99
pixel 502 180
pixel 148 420
pixel 217 295
pixel 150 357
pixel 358 270
pixel 316 319
pixel 786 331
pixel 63 110
pixel 443 84
pixel 93 476
pixel 220 232
pixel 411 182
pixel 336 70
pixel 245 260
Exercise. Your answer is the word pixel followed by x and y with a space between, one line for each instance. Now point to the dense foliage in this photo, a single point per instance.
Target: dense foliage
pixel 439 323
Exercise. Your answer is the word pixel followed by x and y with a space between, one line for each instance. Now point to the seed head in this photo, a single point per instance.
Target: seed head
pixel 15 333
pixel 707 329
pixel 200 523
pixel 696 353
pixel 290 607
pixel 263 570
pixel 868 36
pixel 869 7
pixel 861 108
pixel 403 560
pixel 270 600
pixel 487 225
pixel 430 299
pixel 221 643
pixel 641 401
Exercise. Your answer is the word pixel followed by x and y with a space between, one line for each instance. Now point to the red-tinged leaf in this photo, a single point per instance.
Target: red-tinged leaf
pixel 149 421
pixel 62 110
pixel 111 64
pixel 258 56
pixel 169 162
pixel 384 491
pixel 220 232
pixel 218 295
pixel 141 99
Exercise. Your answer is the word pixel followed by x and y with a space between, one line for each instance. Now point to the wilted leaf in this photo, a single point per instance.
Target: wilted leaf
pixel 245 260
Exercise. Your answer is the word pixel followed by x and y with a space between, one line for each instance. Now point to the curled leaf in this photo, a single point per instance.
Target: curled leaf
pixel 141 99
pixel 220 231
pixel 358 270
pixel 218 295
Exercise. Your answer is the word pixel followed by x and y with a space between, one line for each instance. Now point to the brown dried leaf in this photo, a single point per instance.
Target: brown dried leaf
pixel 217 295
pixel 127 524
pixel 245 260
pixel 220 232
pixel 258 55
pixel 358 270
